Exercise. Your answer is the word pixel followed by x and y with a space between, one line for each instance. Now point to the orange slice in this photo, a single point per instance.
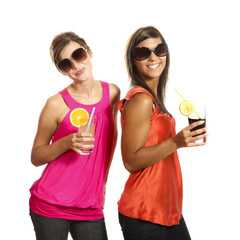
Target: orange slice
pixel 79 117
pixel 186 108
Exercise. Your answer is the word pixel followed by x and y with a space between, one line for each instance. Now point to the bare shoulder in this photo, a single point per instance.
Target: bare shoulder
pixel 140 104
pixel 54 107
pixel 54 101
pixel 143 100
pixel 114 90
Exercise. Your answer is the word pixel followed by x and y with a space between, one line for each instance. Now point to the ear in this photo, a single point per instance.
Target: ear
pixel 90 53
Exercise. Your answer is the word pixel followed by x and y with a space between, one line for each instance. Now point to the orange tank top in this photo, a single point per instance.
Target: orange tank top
pixel 155 193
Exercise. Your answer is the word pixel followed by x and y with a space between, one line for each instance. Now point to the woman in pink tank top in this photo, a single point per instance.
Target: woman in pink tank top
pixel 69 195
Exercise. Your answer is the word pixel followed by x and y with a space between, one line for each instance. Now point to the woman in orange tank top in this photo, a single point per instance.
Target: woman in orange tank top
pixel 151 203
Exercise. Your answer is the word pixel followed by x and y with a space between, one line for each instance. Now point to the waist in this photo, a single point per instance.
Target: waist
pixel 155 193
pixel 49 210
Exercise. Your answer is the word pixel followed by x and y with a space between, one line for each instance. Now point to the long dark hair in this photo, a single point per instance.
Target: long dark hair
pixel 136 79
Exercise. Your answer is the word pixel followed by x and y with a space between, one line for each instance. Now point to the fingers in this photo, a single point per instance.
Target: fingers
pixel 83 146
pixel 195 124
pixel 195 140
pixel 80 152
pixel 190 138
pixel 198 132
pixel 83 137
pixel 81 142
pixel 84 149
pixel 83 134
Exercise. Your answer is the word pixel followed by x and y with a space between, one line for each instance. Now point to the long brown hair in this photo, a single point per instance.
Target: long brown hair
pixel 136 79
pixel 62 40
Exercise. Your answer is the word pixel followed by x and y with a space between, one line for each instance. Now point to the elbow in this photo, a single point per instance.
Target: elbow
pixel 35 161
pixel 130 162
pixel 129 166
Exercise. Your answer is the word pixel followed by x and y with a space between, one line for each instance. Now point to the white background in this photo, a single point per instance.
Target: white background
pixel 203 38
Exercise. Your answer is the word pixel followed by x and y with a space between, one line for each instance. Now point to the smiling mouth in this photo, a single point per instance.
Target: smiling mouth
pixel 79 72
pixel 153 66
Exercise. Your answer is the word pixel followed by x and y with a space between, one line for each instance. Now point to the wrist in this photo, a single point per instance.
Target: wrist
pixel 65 143
pixel 175 143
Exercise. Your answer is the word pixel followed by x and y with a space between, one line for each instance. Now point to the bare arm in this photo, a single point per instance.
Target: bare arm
pixel 52 114
pixel 137 114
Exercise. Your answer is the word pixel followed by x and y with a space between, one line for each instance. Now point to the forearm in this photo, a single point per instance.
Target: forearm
pixel 147 156
pixel 47 153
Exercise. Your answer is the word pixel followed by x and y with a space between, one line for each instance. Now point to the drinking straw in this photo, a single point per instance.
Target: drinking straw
pixel 90 119
pixel 179 94
pixel 185 100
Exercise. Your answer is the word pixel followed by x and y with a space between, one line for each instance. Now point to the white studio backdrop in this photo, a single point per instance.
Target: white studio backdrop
pixel 203 38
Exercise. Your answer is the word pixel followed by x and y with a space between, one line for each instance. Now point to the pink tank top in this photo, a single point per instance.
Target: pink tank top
pixel 72 186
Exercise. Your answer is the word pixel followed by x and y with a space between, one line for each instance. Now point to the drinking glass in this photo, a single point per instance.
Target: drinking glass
pixel 199 114
pixel 88 128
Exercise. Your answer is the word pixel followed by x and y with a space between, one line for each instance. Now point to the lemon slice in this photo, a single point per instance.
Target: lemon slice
pixel 186 108
pixel 79 117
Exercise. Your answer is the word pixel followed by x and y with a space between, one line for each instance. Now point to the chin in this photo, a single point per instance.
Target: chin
pixel 80 79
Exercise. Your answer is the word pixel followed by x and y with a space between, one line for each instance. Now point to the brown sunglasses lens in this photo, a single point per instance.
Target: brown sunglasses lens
pixel 78 55
pixel 161 50
pixel 141 53
pixel 65 65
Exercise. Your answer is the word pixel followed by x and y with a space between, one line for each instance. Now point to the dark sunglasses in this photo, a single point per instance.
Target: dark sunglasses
pixel 79 55
pixel 142 53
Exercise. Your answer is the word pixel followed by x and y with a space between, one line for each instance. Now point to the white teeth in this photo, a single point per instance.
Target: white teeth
pixel 153 66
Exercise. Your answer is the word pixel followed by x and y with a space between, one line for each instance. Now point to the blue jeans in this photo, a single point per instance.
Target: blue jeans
pixel 58 229
pixel 137 229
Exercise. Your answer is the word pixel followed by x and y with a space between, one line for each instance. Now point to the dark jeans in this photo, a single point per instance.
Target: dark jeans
pixel 58 229
pixel 136 229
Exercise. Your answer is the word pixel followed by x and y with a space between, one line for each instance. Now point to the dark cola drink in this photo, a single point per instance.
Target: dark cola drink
pixel 192 120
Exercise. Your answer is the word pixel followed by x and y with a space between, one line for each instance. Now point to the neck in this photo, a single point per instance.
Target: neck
pixel 85 88
pixel 153 84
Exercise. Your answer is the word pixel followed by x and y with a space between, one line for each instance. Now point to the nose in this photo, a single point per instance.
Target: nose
pixel 73 64
pixel 152 56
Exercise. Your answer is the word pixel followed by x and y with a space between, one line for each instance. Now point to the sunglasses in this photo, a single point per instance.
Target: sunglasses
pixel 79 55
pixel 143 53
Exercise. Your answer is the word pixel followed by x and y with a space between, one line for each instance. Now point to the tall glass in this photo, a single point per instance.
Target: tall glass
pixel 199 114
pixel 88 128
